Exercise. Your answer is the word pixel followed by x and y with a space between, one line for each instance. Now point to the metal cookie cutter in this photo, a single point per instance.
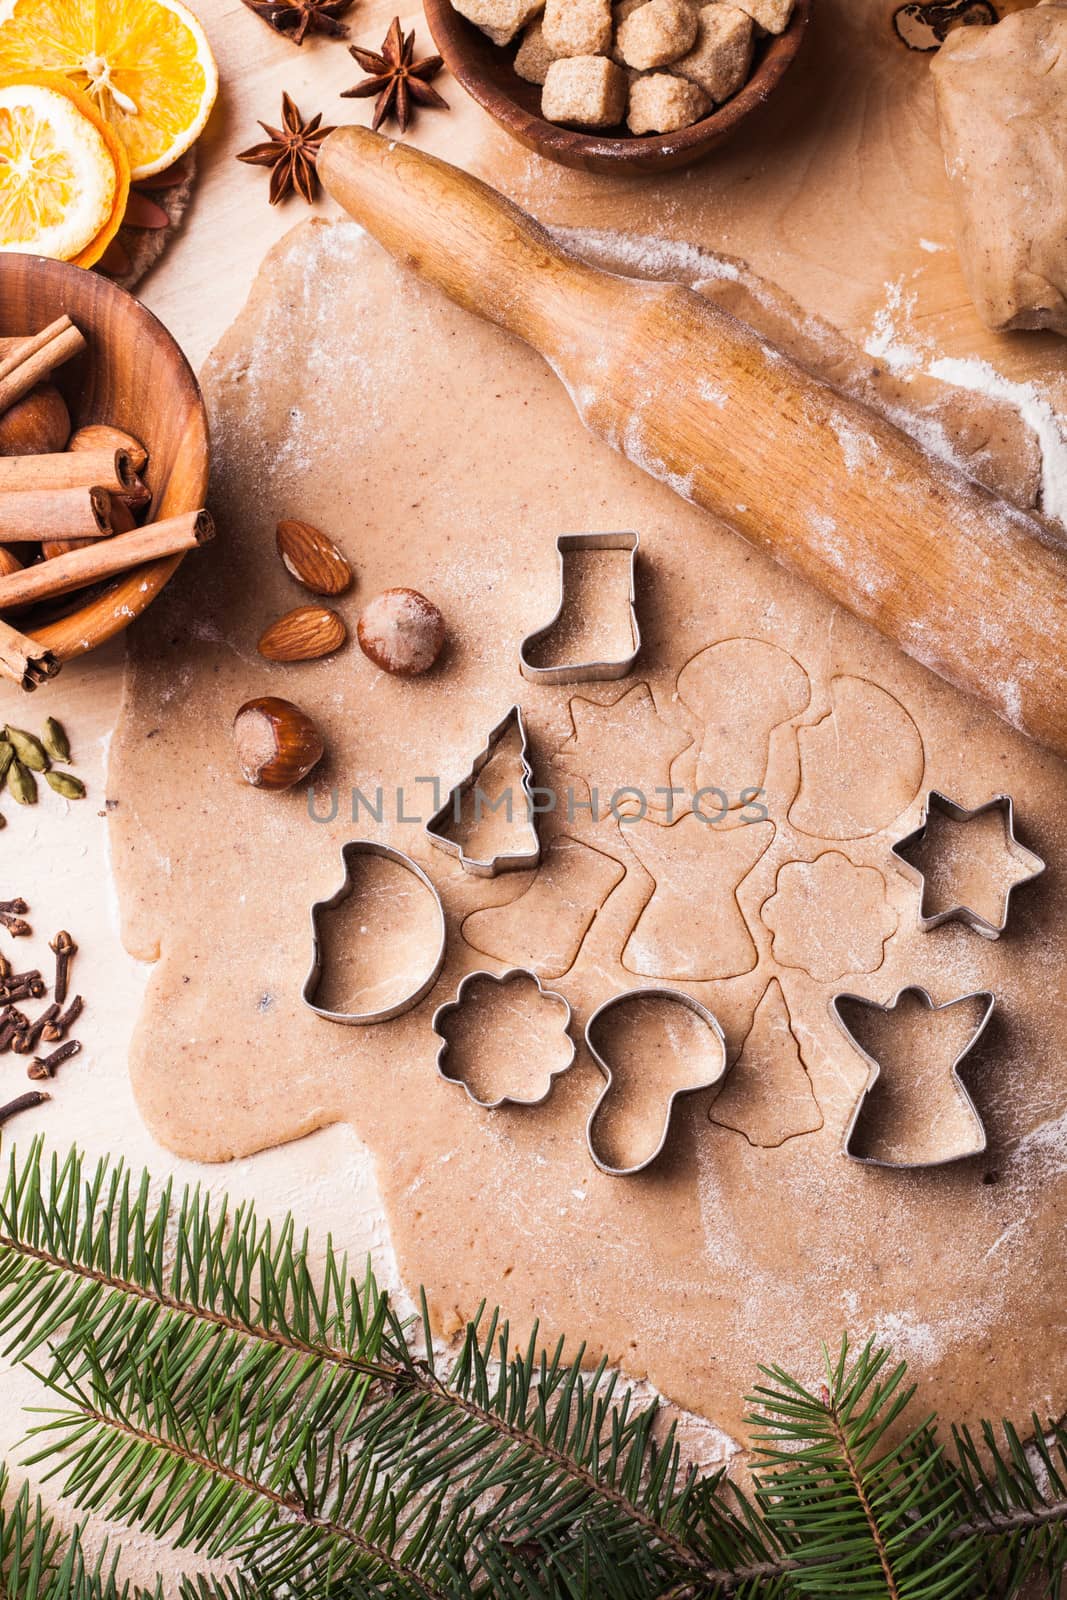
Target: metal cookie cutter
pixel 678 998
pixel 584 671
pixel 955 813
pixel 349 852
pixel 988 1002
pixel 458 1000
pixel 512 861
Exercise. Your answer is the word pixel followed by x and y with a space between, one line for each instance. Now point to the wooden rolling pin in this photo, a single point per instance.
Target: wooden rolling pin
pixel 966 583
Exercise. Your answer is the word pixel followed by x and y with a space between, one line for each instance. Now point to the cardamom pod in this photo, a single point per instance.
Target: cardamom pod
pixel 21 782
pixel 55 741
pixel 66 784
pixel 7 756
pixel 29 749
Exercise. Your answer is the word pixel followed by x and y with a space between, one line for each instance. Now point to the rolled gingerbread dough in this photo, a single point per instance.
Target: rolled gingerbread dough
pixel 1002 112
pixel 440 454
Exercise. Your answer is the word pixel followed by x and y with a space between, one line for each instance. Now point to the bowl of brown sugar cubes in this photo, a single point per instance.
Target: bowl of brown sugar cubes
pixel 619 85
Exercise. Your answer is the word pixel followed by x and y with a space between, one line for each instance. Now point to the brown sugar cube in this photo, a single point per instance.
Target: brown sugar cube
pixel 534 57
pixel 720 60
pixel 589 91
pixel 657 33
pixel 662 103
pixel 773 15
pixel 578 27
pixel 500 19
pixel 619 14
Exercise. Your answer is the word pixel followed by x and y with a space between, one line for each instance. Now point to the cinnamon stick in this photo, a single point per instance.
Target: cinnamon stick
pixel 35 357
pixel 33 514
pixel 23 660
pixel 81 469
pixel 105 558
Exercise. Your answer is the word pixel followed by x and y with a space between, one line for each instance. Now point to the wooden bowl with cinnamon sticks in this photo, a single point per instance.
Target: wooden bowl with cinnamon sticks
pixel 92 523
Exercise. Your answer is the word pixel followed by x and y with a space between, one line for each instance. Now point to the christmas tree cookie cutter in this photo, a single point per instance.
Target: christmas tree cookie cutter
pixel 628 996
pixel 943 806
pixel 459 999
pixel 507 861
pixel 986 1000
pixel 351 853
pixel 584 671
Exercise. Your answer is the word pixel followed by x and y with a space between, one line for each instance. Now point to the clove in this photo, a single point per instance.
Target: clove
pixel 57 1027
pixel 12 913
pixel 23 986
pixel 45 1066
pixel 23 1102
pixel 25 1040
pixel 11 1022
pixel 64 948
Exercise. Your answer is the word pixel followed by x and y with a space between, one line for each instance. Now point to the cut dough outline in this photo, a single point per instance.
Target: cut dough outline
pixel 459 999
pixel 859 868
pixel 349 853
pixel 560 754
pixel 585 671
pixel 582 844
pixel 773 982
pixel 988 1001
pixel 655 992
pixel 812 728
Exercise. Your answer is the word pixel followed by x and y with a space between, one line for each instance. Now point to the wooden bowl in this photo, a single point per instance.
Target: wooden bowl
pixel 486 72
pixel 132 376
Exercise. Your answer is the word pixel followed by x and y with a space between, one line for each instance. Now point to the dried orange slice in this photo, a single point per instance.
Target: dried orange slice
pixel 146 65
pixel 64 176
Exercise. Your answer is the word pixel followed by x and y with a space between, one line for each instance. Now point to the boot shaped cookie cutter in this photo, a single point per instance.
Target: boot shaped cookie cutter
pixel 988 1002
pixel 455 1004
pixel 712 1023
pixel 511 861
pixel 585 671
pixel 349 855
pixel 956 813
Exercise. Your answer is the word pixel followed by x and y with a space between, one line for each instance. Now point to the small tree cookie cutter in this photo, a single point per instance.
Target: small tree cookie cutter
pixel 349 853
pixel 457 1001
pixel 512 860
pixel 677 996
pixel 585 671
pixel 935 801
pixel 988 1002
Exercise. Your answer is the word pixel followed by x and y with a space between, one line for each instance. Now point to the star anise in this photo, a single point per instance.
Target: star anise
pixel 297 18
pixel 291 153
pixel 399 82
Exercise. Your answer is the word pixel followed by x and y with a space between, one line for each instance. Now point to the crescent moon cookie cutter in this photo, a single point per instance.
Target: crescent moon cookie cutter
pixel 350 853
pixel 678 997
pixel 941 805
pixel 508 861
pixel 585 671
pixel 449 1007
pixel 988 1002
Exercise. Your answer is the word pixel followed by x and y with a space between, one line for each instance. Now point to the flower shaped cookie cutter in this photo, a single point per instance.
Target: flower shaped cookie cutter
pixel 459 999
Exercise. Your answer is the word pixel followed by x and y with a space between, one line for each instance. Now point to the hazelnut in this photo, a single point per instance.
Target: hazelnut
pixel 277 744
pixel 36 425
pixel 401 631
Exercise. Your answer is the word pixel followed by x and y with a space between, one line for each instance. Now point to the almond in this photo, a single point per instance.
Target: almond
pixel 99 436
pixel 303 635
pixel 312 559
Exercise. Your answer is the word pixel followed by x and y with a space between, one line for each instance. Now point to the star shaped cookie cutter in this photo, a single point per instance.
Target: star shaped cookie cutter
pixel 988 1002
pixel 935 801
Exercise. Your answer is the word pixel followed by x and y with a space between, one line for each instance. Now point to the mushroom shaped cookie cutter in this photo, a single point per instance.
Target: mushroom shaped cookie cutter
pixel 509 861
pixel 677 997
pixel 450 1006
pixel 584 671
pixel 988 1002
pixel 350 852
pixel 940 803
